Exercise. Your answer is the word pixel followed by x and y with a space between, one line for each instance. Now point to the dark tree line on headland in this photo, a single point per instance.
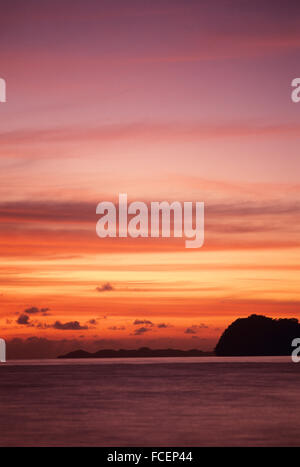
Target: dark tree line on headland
pixel 258 335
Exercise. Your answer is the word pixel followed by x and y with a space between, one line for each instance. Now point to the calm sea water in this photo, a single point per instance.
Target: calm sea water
pixel 151 402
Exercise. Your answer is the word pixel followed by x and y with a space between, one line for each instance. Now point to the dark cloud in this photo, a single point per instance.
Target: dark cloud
pixel 163 325
pixel 117 328
pixel 190 331
pixel 107 287
pixel 195 328
pixel 23 320
pixel 140 331
pixel 34 310
pixel 70 326
pixel 146 322
pixel 93 322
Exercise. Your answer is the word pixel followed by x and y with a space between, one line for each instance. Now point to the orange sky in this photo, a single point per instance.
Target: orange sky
pixel 173 101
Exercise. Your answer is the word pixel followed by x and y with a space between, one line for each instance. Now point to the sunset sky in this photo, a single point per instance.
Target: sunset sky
pixel 163 100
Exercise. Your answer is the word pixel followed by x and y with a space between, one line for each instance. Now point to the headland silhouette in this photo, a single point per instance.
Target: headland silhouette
pixel 258 335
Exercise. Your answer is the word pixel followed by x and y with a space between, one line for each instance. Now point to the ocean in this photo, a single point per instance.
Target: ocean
pixel 201 401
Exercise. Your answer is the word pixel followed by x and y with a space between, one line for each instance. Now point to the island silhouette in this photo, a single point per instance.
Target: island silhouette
pixel 142 352
pixel 258 335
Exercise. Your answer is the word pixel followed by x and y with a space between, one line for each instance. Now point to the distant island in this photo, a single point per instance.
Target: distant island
pixel 258 336
pixel 143 352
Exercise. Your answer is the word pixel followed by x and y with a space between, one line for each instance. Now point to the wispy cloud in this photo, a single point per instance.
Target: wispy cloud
pixel 148 131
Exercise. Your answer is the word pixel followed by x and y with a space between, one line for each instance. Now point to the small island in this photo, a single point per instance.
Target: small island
pixel 143 352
